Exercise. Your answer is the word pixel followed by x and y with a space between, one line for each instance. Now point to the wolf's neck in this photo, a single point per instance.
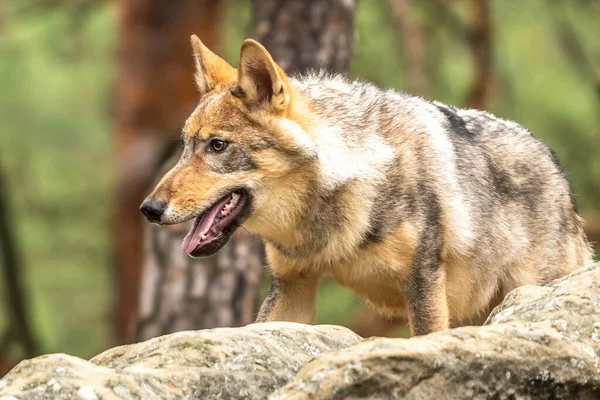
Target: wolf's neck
pixel 345 129
pixel 327 225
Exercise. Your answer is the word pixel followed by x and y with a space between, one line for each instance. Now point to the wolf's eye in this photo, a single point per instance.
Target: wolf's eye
pixel 218 145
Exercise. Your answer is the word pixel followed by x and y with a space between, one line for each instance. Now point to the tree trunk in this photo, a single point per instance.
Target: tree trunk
pixel 410 34
pixel 306 35
pixel 155 93
pixel 181 293
pixel 483 54
pixel 19 333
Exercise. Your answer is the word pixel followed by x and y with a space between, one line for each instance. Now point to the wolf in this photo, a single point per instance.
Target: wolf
pixel 429 212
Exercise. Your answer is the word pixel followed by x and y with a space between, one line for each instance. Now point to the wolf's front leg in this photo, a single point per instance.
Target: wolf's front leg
pixel 426 290
pixel 290 299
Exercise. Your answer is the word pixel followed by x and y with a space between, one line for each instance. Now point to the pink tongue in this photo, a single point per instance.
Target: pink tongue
pixel 202 225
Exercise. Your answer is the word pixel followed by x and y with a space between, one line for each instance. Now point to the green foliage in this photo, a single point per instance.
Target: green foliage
pixel 56 79
pixel 549 94
pixel 55 148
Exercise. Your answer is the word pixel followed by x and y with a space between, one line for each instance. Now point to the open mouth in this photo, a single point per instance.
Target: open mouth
pixel 213 228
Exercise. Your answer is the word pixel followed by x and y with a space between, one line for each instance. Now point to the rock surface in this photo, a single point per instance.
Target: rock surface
pixel 225 363
pixel 540 343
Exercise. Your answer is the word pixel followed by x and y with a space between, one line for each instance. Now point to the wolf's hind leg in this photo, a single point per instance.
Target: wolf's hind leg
pixel 290 299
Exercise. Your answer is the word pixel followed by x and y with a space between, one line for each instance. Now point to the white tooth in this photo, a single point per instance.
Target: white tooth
pixel 235 197
pixel 223 212
pixel 203 237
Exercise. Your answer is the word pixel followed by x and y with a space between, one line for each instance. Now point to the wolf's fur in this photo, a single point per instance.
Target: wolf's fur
pixel 425 210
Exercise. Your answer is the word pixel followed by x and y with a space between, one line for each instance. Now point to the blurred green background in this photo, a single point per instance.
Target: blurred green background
pixel 57 72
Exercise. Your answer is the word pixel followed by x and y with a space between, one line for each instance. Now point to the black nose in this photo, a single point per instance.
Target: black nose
pixel 153 209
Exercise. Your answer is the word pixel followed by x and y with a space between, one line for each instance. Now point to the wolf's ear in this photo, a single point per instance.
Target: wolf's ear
pixel 260 79
pixel 210 68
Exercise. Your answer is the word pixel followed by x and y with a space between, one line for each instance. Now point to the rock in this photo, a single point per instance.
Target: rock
pixel 540 343
pixel 228 363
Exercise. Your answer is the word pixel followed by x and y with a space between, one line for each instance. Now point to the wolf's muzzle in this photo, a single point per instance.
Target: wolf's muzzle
pixel 153 209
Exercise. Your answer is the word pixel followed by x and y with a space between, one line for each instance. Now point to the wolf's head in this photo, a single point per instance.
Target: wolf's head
pixel 243 145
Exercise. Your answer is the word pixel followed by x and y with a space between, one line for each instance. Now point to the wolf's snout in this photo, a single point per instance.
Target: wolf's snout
pixel 153 209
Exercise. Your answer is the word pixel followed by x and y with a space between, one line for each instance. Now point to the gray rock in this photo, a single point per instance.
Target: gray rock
pixel 225 363
pixel 540 343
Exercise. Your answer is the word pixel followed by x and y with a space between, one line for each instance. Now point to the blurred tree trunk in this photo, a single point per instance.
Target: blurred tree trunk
pixel 19 334
pixel 155 94
pixel 482 48
pixel 306 35
pixel 410 34
pixel 181 293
